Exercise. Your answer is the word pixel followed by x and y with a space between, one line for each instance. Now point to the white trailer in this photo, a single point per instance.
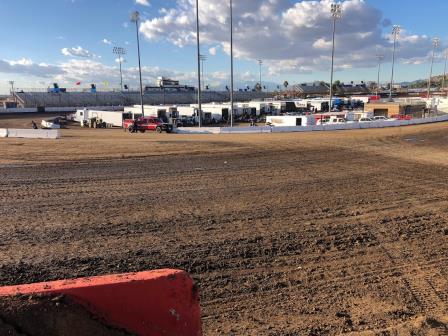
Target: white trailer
pixel 263 107
pixel 305 120
pixel 114 118
pixel 214 111
pixel 165 112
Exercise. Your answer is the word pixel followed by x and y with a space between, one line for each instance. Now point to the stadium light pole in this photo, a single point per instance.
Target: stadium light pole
pixel 336 14
pixel 12 90
pixel 380 59
pixel 120 52
pixel 444 71
pixel 260 63
pixel 136 18
pixel 203 59
pixel 395 32
pixel 435 45
pixel 198 46
pixel 231 64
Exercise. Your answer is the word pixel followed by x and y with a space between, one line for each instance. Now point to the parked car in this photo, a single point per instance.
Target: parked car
pixel 380 118
pixel 144 124
pixel 362 120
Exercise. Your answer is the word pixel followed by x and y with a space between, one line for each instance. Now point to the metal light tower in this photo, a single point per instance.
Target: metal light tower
pixel 203 58
pixel 260 63
pixel 380 59
pixel 231 64
pixel 12 89
pixel 435 45
pixel 395 32
pixel 120 52
pixel 198 43
pixel 444 71
pixel 336 14
pixel 136 18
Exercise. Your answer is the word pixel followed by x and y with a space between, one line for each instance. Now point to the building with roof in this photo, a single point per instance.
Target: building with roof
pixel 415 109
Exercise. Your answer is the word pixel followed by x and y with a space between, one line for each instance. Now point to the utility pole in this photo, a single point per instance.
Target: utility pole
pixel 231 64
pixel 198 42
pixel 260 63
pixel 12 90
pixel 395 32
pixel 136 18
pixel 435 45
pixel 120 52
pixel 444 71
pixel 203 59
pixel 336 14
pixel 380 59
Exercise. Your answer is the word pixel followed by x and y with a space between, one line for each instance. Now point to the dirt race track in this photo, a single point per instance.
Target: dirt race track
pixel 286 234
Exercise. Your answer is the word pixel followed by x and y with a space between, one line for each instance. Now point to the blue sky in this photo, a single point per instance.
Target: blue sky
pixel 34 34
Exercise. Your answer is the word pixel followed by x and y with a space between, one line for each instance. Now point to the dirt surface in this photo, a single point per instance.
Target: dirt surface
pixel 286 234
pixel 50 316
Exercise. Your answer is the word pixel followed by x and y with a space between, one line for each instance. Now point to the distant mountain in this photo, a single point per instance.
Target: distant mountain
pixel 423 83
pixel 270 86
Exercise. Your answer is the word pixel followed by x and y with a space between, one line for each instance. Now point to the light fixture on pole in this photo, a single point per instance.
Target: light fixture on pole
pixel 336 14
pixel 444 71
pixel 380 59
pixel 136 18
pixel 203 58
pixel 395 32
pixel 198 45
pixel 435 45
pixel 260 63
pixel 231 63
pixel 120 52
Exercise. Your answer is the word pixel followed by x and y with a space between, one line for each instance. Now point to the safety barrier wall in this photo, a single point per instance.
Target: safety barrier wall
pixel 161 302
pixel 33 134
pixel 3 132
pixel 202 130
pixel 328 127
pixel 248 130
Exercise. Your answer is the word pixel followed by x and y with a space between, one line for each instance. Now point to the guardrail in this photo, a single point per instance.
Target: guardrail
pixel 286 129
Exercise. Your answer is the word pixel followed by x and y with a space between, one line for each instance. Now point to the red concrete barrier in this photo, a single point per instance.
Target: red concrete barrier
pixel 161 302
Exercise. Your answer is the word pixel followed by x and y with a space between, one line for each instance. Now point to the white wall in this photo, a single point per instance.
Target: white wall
pixel 33 134
pixel 283 129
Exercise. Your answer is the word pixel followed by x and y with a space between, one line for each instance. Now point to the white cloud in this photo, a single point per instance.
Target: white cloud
pixel 106 41
pixel 289 37
pixel 213 51
pixel 77 52
pixel 26 66
pixel 94 71
pixel 22 61
pixel 142 2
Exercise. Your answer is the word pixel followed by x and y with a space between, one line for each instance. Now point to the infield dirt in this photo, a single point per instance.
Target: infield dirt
pixel 286 234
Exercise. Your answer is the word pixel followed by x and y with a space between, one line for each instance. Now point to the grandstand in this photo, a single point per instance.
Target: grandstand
pixel 36 99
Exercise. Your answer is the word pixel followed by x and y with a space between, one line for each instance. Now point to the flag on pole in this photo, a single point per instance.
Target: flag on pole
pixel 78 83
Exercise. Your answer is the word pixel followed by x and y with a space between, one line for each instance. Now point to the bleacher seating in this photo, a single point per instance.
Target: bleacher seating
pixel 83 99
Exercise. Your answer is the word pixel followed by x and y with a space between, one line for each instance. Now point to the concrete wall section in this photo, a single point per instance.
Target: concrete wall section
pixel 161 302
pixel 33 134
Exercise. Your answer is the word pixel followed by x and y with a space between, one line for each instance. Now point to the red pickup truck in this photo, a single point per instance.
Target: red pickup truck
pixel 401 117
pixel 144 124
